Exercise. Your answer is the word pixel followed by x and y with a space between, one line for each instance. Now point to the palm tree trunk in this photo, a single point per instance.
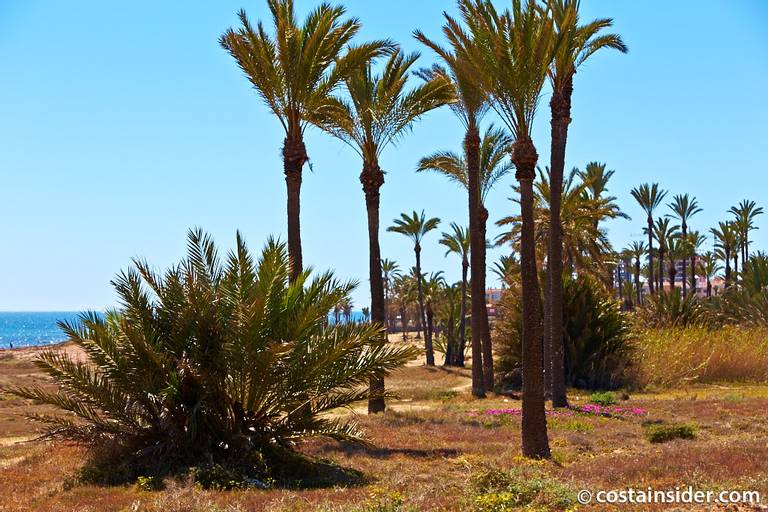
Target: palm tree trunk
pixel 693 273
pixel 534 421
pixel 560 107
pixel 650 254
pixel 620 281
pixel 727 269
pixel 661 270
pixel 372 178
pixel 404 320
pixel 476 243
pixel 637 281
pixel 463 322
pixel 672 274
pixel 485 328
pixel 427 335
pixel 294 156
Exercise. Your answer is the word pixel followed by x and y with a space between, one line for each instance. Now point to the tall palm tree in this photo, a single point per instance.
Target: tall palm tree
pixel 683 208
pixel 379 111
pixel 649 197
pixel 575 44
pixel 663 232
pixel 458 63
pixel 637 250
pixel 296 72
pixel 415 227
pixel 389 271
pixel 458 243
pixel 516 51
pixel 745 214
pixel 493 166
pixel 726 245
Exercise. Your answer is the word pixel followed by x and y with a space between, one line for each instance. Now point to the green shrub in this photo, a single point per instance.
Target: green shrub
pixel 496 490
pixel 664 433
pixel 149 483
pixel 671 309
pixel 219 478
pixel 603 398
pixel 212 363
pixel 596 335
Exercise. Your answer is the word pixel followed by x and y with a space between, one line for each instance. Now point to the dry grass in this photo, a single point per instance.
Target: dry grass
pixel 677 356
pixel 430 451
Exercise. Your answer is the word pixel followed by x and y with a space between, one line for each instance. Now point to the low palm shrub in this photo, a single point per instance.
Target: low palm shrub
pixel 597 336
pixel 667 309
pixel 212 363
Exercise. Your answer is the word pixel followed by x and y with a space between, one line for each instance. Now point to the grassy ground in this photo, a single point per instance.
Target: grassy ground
pixel 437 449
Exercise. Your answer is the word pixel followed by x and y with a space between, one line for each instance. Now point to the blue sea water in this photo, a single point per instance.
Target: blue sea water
pixel 26 329
pixel 29 329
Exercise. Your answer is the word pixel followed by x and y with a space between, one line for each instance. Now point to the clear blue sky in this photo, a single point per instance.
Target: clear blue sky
pixel 122 124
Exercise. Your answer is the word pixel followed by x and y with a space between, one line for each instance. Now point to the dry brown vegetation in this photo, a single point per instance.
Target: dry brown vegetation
pixel 433 450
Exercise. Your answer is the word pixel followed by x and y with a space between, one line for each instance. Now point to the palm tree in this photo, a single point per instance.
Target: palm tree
pixel 432 287
pixel 380 110
pixel 694 243
pixel 458 243
pixel 389 271
pixel 404 291
pixel 295 73
pixel 415 227
pixel 677 250
pixel 726 244
pixel 507 266
pixel 709 268
pixel 493 166
pixel 637 250
pixel 683 208
pixel 745 215
pixel 663 232
pixel 575 44
pixel 516 51
pixel 649 197
pixel 458 64
pixel 585 244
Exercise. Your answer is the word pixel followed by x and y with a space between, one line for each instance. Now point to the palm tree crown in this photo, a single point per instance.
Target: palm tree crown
pixel 414 226
pixel 380 109
pixel 494 147
pixel 296 71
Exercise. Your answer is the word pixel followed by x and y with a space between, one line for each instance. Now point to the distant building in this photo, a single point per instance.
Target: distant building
pixel 492 297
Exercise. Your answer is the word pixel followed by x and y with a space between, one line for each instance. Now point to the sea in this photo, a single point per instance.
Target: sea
pixel 32 328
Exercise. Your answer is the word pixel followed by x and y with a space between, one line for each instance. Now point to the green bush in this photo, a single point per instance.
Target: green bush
pixel 149 483
pixel 596 335
pixel 664 433
pixel 496 490
pixel 219 478
pixel 605 398
pixel 212 363
pixel 671 309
